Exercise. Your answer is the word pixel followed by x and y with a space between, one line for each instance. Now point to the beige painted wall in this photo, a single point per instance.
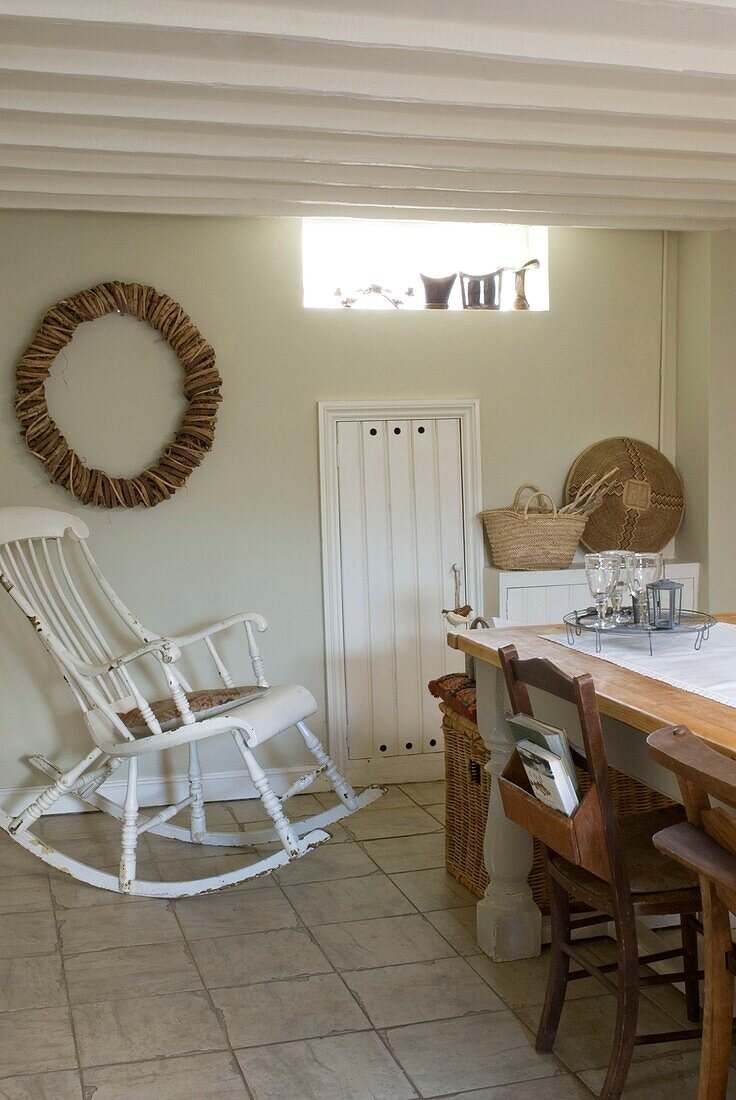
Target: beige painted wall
pixel 721 442
pixel 706 410
pixel 693 396
pixel 245 533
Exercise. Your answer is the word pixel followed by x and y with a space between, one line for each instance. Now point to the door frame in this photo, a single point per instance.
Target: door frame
pixel 330 413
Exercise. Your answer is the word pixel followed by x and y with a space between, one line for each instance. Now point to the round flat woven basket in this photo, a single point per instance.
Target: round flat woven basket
pixel 646 502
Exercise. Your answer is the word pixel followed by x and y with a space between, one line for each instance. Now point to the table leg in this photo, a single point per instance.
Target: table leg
pixel 509 923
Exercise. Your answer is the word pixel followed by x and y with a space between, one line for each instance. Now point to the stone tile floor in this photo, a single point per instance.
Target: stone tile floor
pixel 352 974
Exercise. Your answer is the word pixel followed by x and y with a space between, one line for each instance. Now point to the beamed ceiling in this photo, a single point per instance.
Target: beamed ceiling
pixel 561 112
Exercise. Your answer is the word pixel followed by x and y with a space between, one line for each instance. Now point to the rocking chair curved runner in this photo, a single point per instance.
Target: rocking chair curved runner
pixel 48 570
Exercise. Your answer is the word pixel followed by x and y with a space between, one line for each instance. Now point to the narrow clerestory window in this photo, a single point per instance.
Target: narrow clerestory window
pixel 352 263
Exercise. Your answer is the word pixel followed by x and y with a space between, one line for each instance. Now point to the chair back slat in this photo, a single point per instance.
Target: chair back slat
pixel 48 569
pixel 73 603
pixel 42 594
pixel 93 633
pixel 126 616
pixel 38 572
pixel 541 673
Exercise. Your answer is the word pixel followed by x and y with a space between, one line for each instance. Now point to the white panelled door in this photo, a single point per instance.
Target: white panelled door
pixel 402 560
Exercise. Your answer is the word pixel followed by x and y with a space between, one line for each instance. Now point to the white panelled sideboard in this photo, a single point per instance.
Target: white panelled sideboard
pixel 543 596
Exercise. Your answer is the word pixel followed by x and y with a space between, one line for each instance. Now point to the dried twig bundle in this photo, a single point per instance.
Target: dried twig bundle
pixel 590 495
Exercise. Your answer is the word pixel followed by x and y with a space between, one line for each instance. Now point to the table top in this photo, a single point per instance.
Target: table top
pixel 627 696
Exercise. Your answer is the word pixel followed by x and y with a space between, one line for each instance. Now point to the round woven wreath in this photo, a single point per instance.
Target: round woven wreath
pixel 201 386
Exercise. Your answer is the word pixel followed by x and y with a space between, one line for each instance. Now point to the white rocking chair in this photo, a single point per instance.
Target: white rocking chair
pixel 45 583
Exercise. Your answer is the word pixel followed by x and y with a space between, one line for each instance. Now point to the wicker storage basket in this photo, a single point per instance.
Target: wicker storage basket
pixel 468 795
pixel 523 538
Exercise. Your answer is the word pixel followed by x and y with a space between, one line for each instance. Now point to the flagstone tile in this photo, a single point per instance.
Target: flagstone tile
pixel 302 1008
pixel 258 957
pixel 387 941
pixel 348 899
pixel 98 927
pixel 131 971
pixel 343 1067
pixel 33 982
pixel 233 912
pixel 472 1052
pixel 433 889
pixel 192 1077
pixel 414 992
pixel 140 1028
pixel 36 1039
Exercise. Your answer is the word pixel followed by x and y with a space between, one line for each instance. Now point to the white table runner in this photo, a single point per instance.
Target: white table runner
pixel 710 671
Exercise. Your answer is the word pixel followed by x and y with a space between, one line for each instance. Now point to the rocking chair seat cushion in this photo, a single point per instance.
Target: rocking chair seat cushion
pixel 204 704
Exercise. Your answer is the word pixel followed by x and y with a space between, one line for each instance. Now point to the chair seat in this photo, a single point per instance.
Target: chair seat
pixel 264 712
pixel 204 704
pixel 276 711
pixel 651 873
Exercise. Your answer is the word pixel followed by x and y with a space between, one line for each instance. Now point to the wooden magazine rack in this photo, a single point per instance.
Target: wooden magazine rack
pixel 578 839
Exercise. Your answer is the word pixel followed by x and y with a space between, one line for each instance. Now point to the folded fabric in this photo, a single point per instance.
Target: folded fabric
pixel 709 671
pixel 457 691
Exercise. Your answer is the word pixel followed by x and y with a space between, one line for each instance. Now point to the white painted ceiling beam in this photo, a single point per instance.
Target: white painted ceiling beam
pixel 236 208
pixel 64 71
pixel 583 112
pixel 495 36
pixel 91 162
pixel 322 116
pixel 143 139
pixel 257 193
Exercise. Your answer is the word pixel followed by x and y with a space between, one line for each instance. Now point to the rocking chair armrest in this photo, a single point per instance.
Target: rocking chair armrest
pixel 167 650
pixel 224 624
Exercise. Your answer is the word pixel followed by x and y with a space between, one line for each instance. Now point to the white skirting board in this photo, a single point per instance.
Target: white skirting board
pixel 232 785
pixel 164 791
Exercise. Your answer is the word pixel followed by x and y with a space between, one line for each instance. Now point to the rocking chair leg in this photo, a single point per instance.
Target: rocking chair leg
pixel 284 829
pixel 52 794
pixel 199 824
pixel 130 828
pixel 340 784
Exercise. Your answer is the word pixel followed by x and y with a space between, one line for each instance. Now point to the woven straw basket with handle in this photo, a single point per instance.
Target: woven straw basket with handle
pixel 521 537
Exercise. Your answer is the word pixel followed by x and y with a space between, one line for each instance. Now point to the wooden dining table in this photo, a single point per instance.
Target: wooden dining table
pixel 509 923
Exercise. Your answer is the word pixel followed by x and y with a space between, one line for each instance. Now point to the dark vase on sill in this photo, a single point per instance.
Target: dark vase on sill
pixel 437 291
pixel 482 291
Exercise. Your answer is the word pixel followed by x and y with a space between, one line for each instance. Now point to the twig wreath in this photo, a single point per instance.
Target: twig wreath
pixel 201 385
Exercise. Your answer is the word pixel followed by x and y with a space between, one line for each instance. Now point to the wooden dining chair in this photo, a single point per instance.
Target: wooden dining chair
pixel 608 865
pixel 706 844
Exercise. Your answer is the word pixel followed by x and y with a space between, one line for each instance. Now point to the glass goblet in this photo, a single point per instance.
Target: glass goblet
pixel 617 599
pixel 602 573
pixel 641 570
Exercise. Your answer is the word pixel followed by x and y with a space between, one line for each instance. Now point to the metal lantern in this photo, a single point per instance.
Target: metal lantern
pixel 664 604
